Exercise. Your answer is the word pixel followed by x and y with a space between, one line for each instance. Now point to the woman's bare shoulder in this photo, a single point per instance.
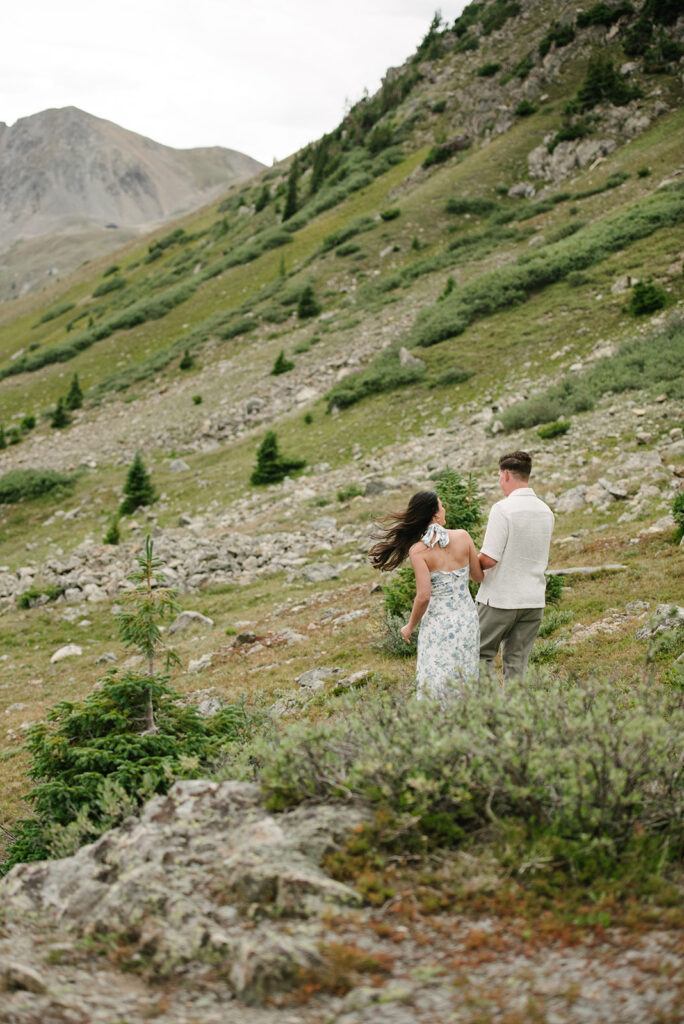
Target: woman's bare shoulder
pixel 418 549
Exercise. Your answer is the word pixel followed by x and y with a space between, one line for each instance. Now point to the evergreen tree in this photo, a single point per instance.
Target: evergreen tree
pixel 3 442
pixel 282 364
pixel 60 417
pixel 74 400
pixel 113 534
pixel 271 467
pixel 138 488
pixel 291 200
pixel 307 305
pixel 187 362
pixel 320 161
pixel 263 199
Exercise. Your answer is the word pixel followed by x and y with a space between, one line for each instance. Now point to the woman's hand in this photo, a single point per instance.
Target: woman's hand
pixel 406 633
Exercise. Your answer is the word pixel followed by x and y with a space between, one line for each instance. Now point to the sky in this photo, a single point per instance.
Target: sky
pixel 261 76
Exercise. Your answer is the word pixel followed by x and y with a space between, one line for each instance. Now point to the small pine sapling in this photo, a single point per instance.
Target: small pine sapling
pixel 282 364
pixel 272 467
pixel 113 534
pixel 74 399
pixel 138 489
pixel 187 362
pixel 307 305
pixel 60 417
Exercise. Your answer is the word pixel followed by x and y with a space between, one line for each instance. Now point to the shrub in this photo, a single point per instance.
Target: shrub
pixel 603 84
pixel 678 513
pixel 390 214
pixel 272 467
pixel 559 35
pixel 263 199
pixel 489 69
pixel 74 398
pixel 523 67
pixel 111 270
pixel 112 284
pixel 3 440
pixel 29 597
pixel 347 249
pixel 602 14
pixel 462 205
pixel 646 297
pixel 281 364
pixel 59 417
pixel 187 362
pixel 553 619
pixel 138 489
pixel 308 418
pixel 553 429
pixel 343 234
pixel 386 374
pixel 113 534
pixel 196 399
pixel 28 423
pixel 644 172
pixel 456 375
pixel 496 14
pixel 55 312
pixel 25 484
pixel 525 109
pixel 236 327
pixel 307 306
pixel 349 492
pixel 568 133
pixel 572 766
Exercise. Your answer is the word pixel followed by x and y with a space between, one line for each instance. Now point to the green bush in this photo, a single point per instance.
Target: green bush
pixel 29 597
pixel 196 399
pixel 456 375
pixel 55 312
pixel 555 585
pixel 26 484
pixel 568 133
pixel 386 374
pixel 113 534
pixel 138 489
pixel 236 327
pixel 603 84
pixel 349 492
pixel 112 284
pixel 646 297
pixel 553 429
pixel 74 398
pixel 553 619
pixel 347 231
pixel 489 69
pixel 348 249
pixel 495 15
pixel 559 35
pixel 59 417
pixel 272 467
pixel 187 362
pixel 525 109
pixel 477 206
pixel 678 513
pixel 569 765
pixel 390 214
pixel 603 14
pixel 513 283
pixel 523 67
pixel 111 270
pixel 28 423
pixel 282 364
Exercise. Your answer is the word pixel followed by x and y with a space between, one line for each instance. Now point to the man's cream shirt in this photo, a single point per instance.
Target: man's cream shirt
pixel 518 537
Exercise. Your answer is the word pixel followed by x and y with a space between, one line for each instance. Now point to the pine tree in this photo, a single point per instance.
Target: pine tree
pixel 74 400
pixel 60 417
pixel 138 488
pixel 320 161
pixel 187 362
pixel 113 534
pixel 263 199
pixel 291 200
pixel 282 364
pixel 271 467
pixel 307 305
pixel 3 442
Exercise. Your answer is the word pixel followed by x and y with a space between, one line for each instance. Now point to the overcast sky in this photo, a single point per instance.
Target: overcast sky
pixel 261 76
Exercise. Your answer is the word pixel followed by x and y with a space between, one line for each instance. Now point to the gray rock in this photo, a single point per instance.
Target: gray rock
pixel 15 976
pixel 316 678
pixel 667 617
pixel 319 572
pixel 407 359
pixel 522 190
pixel 187 619
pixel 104 659
pixel 587 570
pixel 572 500
pixel 178 466
pixel 199 664
pixel 67 651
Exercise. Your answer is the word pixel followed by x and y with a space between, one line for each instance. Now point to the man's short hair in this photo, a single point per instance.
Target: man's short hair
pixel 517 463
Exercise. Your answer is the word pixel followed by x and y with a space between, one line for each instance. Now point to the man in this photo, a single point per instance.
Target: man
pixel 514 556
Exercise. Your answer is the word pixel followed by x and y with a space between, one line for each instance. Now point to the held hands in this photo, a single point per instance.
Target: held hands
pixel 406 633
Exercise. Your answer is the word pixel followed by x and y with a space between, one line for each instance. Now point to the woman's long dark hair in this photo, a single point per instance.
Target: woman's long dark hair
pixel 403 529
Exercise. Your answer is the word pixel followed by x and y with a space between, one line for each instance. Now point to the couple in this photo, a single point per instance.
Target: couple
pixel 454 636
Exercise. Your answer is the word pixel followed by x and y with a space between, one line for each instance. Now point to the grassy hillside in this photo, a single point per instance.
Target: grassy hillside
pixel 407 242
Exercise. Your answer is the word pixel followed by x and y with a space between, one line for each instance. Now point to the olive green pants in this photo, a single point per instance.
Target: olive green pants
pixel 512 629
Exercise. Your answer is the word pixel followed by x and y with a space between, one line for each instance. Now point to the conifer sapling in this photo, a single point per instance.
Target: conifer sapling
pixel 138 489
pixel 74 399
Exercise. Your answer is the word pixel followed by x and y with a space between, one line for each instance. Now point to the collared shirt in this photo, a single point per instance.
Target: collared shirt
pixel 518 537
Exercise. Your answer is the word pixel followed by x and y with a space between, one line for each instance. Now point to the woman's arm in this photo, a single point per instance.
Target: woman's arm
pixel 422 598
pixel 476 567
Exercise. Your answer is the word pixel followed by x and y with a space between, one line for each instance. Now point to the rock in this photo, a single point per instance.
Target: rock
pixel 104 659
pixel 93 593
pixel 247 637
pixel 407 359
pixel 184 519
pixel 523 190
pixel 667 617
pixel 572 500
pixel 306 394
pixel 623 284
pixel 319 572
pixel 342 620
pixel 187 619
pixel 178 466
pixel 289 636
pixel 199 664
pixel 597 494
pixel 316 678
pixel 15 976
pixel 68 651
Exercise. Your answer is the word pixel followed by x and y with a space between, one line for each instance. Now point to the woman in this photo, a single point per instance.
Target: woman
pixel 449 639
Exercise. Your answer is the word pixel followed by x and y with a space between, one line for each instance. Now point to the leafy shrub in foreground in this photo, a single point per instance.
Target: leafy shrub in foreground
pixel 583 763
pixel 646 297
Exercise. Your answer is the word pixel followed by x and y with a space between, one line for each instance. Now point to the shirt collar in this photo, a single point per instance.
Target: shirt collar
pixel 521 491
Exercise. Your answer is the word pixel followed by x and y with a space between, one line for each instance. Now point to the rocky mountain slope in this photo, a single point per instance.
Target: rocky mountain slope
pixel 64 171
pixel 473 278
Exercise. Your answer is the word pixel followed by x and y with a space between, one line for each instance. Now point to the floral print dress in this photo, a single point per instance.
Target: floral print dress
pixel 449 638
